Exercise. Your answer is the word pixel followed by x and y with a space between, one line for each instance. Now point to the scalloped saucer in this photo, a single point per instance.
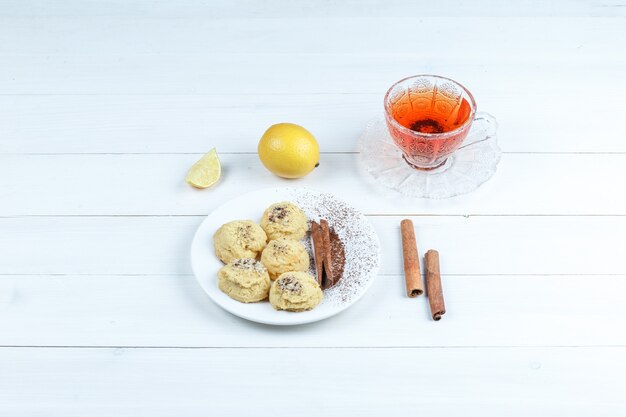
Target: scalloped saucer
pixel 469 167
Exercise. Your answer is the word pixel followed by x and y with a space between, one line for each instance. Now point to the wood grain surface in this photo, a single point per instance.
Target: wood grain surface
pixel 105 104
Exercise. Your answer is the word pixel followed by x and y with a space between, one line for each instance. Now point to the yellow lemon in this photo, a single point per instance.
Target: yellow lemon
pixel 206 171
pixel 289 150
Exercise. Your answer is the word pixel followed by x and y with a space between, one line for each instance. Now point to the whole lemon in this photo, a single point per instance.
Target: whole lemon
pixel 289 150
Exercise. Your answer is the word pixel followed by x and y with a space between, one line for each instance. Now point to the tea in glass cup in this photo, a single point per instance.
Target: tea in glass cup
pixel 428 118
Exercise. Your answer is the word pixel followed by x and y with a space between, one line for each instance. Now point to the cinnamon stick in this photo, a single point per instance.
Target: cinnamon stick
pixel 329 268
pixel 412 274
pixel 433 285
pixel 337 258
pixel 318 251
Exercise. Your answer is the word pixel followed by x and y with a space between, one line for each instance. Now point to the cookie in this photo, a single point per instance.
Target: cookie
pixel 295 291
pixel 245 280
pixel 284 255
pixel 284 219
pixel 239 239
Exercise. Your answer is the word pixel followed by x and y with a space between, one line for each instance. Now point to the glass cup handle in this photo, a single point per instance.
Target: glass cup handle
pixel 483 128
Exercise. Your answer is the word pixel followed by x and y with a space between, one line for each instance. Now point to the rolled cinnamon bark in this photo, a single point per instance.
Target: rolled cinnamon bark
pixel 433 285
pixel 318 251
pixel 329 270
pixel 412 274
pixel 329 253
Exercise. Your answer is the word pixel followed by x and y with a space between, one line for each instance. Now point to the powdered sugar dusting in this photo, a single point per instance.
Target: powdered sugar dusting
pixel 359 238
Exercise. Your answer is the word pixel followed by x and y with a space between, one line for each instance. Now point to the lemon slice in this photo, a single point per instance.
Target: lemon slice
pixel 206 171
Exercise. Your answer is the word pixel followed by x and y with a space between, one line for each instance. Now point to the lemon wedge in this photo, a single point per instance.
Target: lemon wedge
pixel 206 171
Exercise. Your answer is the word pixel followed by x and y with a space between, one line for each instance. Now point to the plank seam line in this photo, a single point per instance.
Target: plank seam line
pixel 398 274
pixel 254 153
pixel 322 93
pixel 467 216
pixel 311 347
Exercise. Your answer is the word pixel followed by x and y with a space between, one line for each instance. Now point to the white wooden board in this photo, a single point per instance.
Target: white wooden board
pixel 315 73
pixel 576 382
pixel 172 311
pixel 549 184
pixel 193 124
pixel 475 245
pixel 281 9
pixel 464 39
pixel 105 104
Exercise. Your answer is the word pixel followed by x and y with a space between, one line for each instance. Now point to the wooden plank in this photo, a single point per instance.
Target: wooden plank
pixel 546 39
pixel 192 56
pixel 171 56
pixel 474 245
pixel 575 382
pixel 289 10
pixel 577 184
pixel 193 124
pixel 338 73
pixel 166 311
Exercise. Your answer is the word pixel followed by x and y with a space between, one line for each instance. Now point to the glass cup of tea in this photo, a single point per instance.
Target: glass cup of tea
pixel 428 118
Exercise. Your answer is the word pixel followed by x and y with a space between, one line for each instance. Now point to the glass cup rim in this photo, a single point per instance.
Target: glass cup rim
pixel 429 136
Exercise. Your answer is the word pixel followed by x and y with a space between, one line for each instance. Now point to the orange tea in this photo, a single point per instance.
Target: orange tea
pixel 428 118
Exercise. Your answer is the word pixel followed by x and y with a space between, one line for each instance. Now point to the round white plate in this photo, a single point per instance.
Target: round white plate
pixel 355 231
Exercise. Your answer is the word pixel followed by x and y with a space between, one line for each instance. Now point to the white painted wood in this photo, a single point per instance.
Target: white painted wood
pixel 225 9
pixel 192 56
pixel 172 311
pixel 467 39
pixel 576 382
pixel 184 123
pixel 177 78
pixel 312 73
pixel 474 245
pixel 578 184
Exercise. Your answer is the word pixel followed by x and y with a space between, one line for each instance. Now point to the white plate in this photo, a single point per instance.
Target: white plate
pixel 357 234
